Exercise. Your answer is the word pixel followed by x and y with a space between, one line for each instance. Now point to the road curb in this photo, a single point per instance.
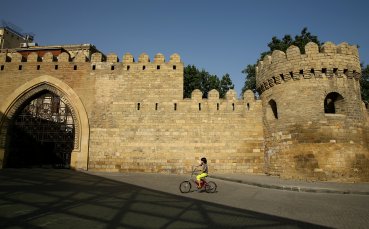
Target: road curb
pixel 293 188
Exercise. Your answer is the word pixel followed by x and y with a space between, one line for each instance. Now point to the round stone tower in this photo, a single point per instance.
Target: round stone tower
pixel 315 123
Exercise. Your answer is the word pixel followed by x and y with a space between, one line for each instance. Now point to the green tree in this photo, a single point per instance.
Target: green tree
pixel 204 81
pixel 278 44
pixel 225 85
pixel 304 38
pixel 250 82
pixel 364 83
pixel 210 82
pixel 192 80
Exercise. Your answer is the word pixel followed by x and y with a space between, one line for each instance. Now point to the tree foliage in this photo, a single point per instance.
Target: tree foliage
pixel 225 85
pixel 278 44
pixel 205 82
pixel 364 83
pixel 250 83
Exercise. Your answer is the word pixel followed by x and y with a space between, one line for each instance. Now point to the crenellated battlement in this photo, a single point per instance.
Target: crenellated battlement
pixel 330 61
pixel 80 58
pixel 213 95
pixel 98 61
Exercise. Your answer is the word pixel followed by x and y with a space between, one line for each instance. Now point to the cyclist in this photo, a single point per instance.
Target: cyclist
pixel 204 172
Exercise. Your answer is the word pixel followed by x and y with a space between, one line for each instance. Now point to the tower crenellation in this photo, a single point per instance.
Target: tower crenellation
pixel 331 61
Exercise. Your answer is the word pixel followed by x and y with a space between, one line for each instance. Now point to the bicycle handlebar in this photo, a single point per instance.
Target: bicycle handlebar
pixel 194 169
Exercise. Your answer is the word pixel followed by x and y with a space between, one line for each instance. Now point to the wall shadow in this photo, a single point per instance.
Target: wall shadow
pixel 38 149
pixel 3 121
pixel 50 198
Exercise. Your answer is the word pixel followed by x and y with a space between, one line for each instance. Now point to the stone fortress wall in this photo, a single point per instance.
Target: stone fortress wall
pixel 315 123
pixel 137 120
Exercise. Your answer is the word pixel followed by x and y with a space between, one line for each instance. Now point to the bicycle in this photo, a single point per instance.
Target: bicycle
pixel 185 186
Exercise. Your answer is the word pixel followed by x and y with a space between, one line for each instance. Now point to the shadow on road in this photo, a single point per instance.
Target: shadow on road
pixel 48 198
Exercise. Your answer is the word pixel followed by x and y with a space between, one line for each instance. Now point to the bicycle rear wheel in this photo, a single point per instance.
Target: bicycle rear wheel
pixel 185 187
pixel 210 187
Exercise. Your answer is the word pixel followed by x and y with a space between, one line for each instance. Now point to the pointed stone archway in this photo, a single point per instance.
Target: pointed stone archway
pixel 9 107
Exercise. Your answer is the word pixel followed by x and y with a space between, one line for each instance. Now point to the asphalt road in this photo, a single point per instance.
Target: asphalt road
pixel 47 198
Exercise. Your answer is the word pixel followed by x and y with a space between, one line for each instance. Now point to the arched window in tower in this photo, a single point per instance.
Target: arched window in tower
pixel 334 104
pixel 272 109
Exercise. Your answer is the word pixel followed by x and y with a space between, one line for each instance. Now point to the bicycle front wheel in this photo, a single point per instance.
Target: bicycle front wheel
pixel 211 187
pixel 185 187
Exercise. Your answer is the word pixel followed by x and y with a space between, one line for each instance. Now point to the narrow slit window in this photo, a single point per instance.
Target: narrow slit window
pixel 217 106
pixel 273 108
pixel 138 106
pixel 38 67
pixel 175 106
pixel 112 67
pixel 20 67
pixel 143 67
pixel 157 67
pixel 75 67
pixel 56 67
pixel 2 67
pixel 199 106
pixel 94 67
pixel 248 106
pixel 174 67
pixel 128 67
pixel 156 106
pixel 232 106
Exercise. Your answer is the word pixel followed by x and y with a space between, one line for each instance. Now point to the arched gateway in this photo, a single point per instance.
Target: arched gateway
pixel 43 122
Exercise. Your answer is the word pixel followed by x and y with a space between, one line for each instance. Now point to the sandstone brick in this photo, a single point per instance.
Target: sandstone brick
pixel 138 120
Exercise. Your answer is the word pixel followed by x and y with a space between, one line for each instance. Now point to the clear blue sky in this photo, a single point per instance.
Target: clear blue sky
pixel 218 36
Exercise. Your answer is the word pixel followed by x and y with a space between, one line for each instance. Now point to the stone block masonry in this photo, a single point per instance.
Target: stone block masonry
pixel 315 123
pixel 137 117
pixel 130 116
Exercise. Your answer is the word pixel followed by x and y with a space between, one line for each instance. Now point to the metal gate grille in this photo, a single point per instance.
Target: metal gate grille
pixel 47 119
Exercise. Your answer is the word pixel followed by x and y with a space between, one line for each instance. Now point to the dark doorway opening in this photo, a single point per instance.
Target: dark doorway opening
pixel 41 133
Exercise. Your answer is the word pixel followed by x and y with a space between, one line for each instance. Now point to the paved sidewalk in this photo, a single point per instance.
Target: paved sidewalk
pixel 275 182
pixel 258 180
